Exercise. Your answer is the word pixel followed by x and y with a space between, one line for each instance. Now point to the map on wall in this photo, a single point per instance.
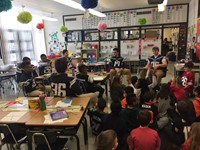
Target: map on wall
pixel 172 14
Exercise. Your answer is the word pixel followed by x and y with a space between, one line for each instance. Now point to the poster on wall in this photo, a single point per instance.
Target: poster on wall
pixel 198 39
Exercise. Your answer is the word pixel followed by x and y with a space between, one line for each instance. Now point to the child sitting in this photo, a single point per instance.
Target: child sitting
pixel 130 113
pixel 196 102
pixel 107 140
pixel 144 138
pixel 27 80
pixel 88 81
pixel 178 88
pixel 188 78
pixel 116 89
pixel 96 116
pixel 127 90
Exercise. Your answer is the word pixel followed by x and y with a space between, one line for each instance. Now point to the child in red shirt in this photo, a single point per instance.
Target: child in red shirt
pixel 178 88
pixel 188 78
pixel 196 101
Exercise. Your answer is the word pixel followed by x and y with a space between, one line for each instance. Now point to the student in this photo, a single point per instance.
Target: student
pixel 20 68
pixel 116 89
pixel 107 140
pixel 114 122
pixel 88 81
pixel 188 78
pixel 196 101
pixel 27 79
pixel 163 105
pixel 130 113
pixel 96 116
pixel 66 54
pixel 44 65
pixel 127 90
pixel 63 86
pixel 144 138
pixel 192 143
pixel 150 104
pixel 178 88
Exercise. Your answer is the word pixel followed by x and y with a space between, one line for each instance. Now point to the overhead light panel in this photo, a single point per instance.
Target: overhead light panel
pixel 49 18
pixel 78 6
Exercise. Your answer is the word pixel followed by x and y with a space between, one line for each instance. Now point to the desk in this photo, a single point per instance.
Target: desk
pixel 98 66
pixel 102 79
pixel 7 76
pixel 69 126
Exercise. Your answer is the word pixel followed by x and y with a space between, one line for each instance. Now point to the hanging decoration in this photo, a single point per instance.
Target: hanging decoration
pixel 87 4
pixel 142 21
pixel 63 29
pixel 40 26
pixel 24 17
pixel 5 5
pixel 101 26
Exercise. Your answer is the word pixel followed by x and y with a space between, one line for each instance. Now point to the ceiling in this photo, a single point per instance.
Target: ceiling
pixel 103 5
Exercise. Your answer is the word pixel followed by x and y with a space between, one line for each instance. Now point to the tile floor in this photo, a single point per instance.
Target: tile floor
pixel 10 94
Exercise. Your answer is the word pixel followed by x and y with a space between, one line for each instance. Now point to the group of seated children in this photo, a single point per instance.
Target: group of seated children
pixel 167 111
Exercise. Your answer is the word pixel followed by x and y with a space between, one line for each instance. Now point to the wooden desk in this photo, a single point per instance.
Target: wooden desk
pixel 71 125
pixel 74 117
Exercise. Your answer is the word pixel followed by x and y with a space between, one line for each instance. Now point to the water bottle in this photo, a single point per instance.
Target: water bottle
pixel 42 102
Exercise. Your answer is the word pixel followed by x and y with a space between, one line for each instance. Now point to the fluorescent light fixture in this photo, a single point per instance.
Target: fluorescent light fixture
pixel 96 13
pixel 76 5
pixel 49 18
pixel 161 7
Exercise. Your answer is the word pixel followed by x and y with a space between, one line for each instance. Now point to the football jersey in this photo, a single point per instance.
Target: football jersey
pixel 188 79
pixel 116 62
pixel 156 60
pixel 63 86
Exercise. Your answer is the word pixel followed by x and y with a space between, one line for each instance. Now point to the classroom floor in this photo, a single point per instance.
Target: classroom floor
pixel 11 94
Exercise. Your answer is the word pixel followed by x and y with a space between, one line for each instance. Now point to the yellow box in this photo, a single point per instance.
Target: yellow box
pixel 33 103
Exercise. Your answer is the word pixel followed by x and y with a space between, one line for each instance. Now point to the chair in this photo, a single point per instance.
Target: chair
pixel 13 139
pixel 45 140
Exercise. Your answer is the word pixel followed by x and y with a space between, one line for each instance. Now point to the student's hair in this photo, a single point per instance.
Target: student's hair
pixel 194 136
pixel 131 100
pixel 42 55
pixel 116 107
pixel 144 117
pixel 128 90
pixel 164 91
pixel 134 79
pixel 61 65
pixel 25 64
pixel 64 51
pixel 179 82
pixel 189 64
pixel 116 49
pixel 197 90
pixel 148 96
pixel 101 104
pixel 106 140
pixel 155 48
pixel 82 68
pixel 26 59
pixel 116 81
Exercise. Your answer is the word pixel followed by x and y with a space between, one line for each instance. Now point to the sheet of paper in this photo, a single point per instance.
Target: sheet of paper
pixel 48 120
pixel 13 116
pixel 98 78
pixel 62 104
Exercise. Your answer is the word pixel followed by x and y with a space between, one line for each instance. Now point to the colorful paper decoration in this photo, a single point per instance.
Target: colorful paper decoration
pixel 40 26
pixel 101 26
pixel 24 17
pixel 142 21
pixel 63 29
pixel 87 4
pixel 5 5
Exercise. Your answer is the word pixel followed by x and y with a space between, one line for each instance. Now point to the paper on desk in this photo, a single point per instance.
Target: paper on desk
pixel 62 104
pixel 98 78
pixel 13 116
pixel 48 120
